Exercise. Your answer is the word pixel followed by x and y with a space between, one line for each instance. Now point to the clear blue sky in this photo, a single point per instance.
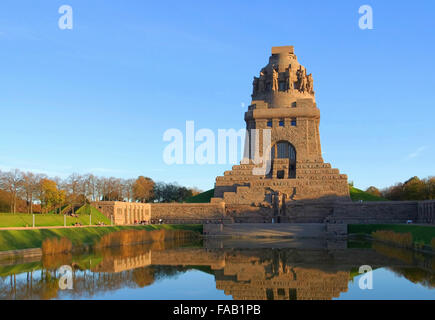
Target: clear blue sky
pixel 99 97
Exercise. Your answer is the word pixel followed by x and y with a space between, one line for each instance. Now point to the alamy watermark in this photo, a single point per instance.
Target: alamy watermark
pixel 366 280
pixel 66 277
pixel 366 19
pixel 66 20
pixel 205 147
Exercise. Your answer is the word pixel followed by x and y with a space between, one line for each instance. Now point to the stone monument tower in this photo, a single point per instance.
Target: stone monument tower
pixel 283 159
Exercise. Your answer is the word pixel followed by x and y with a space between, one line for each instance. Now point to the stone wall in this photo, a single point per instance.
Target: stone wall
pixel 189 212
pixel 124 213
pixel 426 211
pixel 324 210
pixel 376 212
pixel 303 211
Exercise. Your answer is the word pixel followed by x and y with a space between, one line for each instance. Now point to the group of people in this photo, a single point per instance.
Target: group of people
pixel 144 222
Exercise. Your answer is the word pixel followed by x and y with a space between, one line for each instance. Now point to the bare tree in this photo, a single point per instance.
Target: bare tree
pixel 12 182
pixel 127 187
pixel 30 188
pixel 74 189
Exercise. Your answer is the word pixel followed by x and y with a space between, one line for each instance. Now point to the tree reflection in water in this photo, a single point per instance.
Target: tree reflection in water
pixel 251 273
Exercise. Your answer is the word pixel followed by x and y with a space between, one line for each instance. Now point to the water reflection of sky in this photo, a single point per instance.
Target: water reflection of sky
pixel 198 273
pixel 388 285
pixel 191 285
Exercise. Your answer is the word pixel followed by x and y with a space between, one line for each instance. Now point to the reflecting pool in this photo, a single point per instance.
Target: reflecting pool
pixel 224 269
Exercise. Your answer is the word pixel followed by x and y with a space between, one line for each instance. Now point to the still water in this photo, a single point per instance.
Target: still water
pixel 225 270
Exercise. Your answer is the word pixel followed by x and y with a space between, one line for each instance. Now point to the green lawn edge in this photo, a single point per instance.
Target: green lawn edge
pixel 52 219
pixel 33 238
pixel 419 233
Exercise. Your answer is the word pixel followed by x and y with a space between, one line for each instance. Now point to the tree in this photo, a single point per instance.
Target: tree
pixel 414 189
pixel 374 191
pixel 143 189
pixel 90 186
pixel 394 192
pixel 49 195
pixel 12 182
pixel 430 182
pixel 196 191
pixel 127 189
pixel 74 190
pixel 30 188
pixel 171 192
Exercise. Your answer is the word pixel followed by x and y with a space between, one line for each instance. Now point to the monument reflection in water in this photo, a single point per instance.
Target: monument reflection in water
pixel 219 270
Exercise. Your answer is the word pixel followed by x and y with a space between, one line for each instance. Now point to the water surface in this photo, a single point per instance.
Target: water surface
pixel 284 270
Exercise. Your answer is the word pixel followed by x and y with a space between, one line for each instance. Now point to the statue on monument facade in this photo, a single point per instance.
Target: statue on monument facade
pixel 262 82
pixel 274 80
pixel 302 79
pixel 310 85
pixel 255 86
pixel 288 79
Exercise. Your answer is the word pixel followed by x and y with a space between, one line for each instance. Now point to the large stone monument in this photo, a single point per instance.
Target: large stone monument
pixel 283 159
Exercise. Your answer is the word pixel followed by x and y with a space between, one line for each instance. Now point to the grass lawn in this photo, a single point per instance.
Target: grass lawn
pixel 419 233
pixel 50 219
pixel 33 238
pixel 357 194
pixel 202 197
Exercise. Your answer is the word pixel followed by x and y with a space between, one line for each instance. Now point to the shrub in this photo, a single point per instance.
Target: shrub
pixel 401 239
pixel 127 237
pixel 56 245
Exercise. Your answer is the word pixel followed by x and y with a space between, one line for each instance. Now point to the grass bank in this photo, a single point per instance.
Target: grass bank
pixel 202 197
pixel 357 195
pixel 51 219
pixel 33 238
pixel 419 233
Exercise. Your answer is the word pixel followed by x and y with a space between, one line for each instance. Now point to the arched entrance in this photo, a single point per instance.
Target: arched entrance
pixel 285 150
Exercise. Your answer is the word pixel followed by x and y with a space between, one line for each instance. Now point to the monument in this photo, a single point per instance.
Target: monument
pixel 282 176
pixel 283 108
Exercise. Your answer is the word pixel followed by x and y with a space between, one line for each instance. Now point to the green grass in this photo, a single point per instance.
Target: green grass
pixel 419 233
pixel 19 268
pixel 357 195
pixel 33 238
pixel 203 197
pixel 50 219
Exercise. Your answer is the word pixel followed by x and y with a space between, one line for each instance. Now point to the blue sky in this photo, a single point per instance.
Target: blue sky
pixel 99 97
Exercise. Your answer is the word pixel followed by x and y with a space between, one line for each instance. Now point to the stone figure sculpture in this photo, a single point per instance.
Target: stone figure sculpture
pixel 302 79
pixel 288 79
pixel 310 85
pixel 262 82
pixel 274 80
pixel 255 85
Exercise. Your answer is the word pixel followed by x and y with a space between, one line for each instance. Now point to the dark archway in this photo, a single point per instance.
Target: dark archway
pixel 285 150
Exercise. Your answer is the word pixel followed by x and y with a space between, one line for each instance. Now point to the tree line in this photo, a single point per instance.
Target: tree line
pixel 412 189
pixel 34 192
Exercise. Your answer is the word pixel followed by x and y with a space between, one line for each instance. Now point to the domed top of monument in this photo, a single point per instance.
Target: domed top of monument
pixel 283 80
